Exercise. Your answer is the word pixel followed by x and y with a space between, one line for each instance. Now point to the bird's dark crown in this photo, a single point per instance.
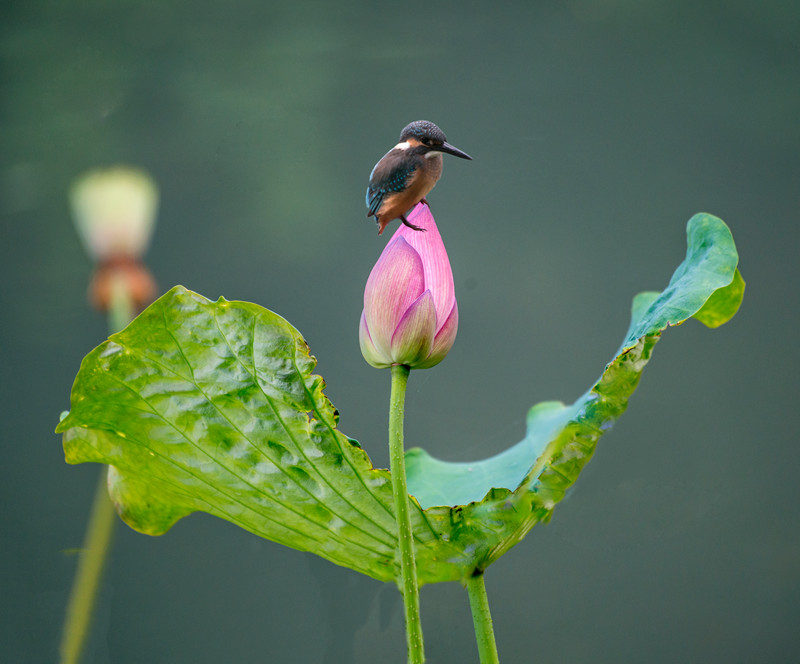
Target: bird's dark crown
pixel 425 132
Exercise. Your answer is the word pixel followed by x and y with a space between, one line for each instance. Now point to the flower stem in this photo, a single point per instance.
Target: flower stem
pixel 99 531
pixel 408 566
pixel 91 562
pixel 482 618
pixel 121 308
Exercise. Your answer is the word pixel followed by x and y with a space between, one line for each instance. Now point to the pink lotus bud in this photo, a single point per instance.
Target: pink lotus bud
pixel 410 314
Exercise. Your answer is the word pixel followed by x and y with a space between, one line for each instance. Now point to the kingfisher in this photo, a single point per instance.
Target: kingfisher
pixel 407 173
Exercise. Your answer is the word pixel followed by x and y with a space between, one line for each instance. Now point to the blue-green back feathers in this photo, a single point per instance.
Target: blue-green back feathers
pixel 390 176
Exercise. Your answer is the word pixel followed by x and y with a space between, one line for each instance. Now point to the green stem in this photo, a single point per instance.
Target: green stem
pixel 91 562
pixel 482 619
pixel 97 542
pixel 121 309
pixel 408 566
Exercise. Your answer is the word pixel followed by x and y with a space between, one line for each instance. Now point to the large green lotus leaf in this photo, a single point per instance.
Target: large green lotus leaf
pixel 212 406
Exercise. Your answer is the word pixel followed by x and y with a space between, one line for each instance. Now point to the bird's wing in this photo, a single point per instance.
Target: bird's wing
pixel 388 177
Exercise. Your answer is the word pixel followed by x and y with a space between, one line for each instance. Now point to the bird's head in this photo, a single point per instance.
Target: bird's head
pixel 427 138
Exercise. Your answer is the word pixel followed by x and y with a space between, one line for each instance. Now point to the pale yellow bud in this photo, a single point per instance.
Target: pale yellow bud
pixel 114 211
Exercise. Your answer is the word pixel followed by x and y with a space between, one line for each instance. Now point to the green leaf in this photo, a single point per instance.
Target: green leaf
pixel 212 406
pixel 709 266
pixel 561 439
pixel 723 304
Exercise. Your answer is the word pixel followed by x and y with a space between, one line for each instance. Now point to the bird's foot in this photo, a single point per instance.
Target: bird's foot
pixel 410 225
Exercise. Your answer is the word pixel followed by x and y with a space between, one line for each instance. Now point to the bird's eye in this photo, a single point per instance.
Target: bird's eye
pixel 426 140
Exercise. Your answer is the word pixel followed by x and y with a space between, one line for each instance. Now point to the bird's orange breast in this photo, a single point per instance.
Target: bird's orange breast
pixel 420 183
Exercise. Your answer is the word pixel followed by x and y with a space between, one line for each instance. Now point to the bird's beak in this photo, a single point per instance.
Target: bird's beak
pixel 450 149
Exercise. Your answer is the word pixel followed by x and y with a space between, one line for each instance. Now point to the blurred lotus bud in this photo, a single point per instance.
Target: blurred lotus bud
pixel 114 211
pixel 410 313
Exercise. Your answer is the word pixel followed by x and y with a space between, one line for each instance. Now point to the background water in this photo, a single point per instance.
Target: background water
pixel 597 129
